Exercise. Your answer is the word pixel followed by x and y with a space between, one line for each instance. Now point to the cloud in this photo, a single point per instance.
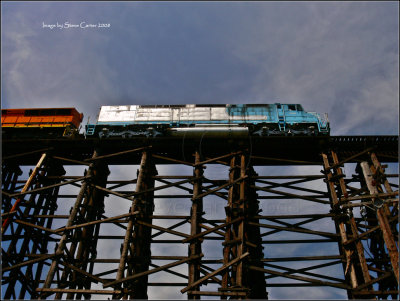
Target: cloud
pixel 339 58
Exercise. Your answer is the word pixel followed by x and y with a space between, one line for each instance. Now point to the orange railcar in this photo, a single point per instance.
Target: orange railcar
pixel 46 121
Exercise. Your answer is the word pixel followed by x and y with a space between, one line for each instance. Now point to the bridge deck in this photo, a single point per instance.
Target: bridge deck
pixel 292 150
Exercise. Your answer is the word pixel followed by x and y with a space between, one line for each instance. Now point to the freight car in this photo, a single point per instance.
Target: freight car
pixel 40 123
pixel 216 120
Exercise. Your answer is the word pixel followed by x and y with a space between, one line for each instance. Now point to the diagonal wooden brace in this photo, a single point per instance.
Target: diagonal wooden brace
pixel 215 272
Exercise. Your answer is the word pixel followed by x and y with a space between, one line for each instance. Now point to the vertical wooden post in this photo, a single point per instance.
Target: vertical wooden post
pixel 340 225
pixel 70 221
pixel 241 209
pixel 129 228
pixel 85 243
pixel 353 226
pixel 195 218
pixel 383 221
pixel 229 234
pixel 137 236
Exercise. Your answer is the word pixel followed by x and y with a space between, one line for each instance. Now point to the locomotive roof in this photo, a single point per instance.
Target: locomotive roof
pixel 31 109
pixel 44 111
pixel 203 105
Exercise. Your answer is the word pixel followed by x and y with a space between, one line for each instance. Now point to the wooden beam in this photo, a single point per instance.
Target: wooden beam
pixel 170 265
pixel 201 280
pixel 307 279
pixel 219 188
pixel 41 258
pixel 163 229
pixel 117 154
pixel 212 230
pixel 82 291
pixel 96 222
pixel 217 158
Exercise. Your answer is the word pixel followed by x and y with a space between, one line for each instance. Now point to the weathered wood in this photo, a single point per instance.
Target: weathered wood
pixel 233 294
pixel 96 222
pixel 340 226
pixel 307 231
pixel 353 226
pixel 196 213
pixel 304 271
pixel 301 258
pixel 303 197
pixel 63 240
pixel 43 150
pixel 284 160
pixel 163 229
pixel 118 154
pixel 219 188
pixel 172 160
pixel 83 291
pixel 301 278
pixel 338 164
pixel 25 263
pixel 72 267
pixel 240 232
pixel 48 187
pixel 25 188
pixel 217 158
pixel 169 228
pixel 215 272
pixel 297 241
pixel 383 223
pixel 368 232
pixel 170 265
pixel 161 187
pixel 211 230
pixel 35 226
pixel 369 196
pixel 71 160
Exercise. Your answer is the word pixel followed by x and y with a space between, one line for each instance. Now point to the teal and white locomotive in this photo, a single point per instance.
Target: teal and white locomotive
pixel 219 120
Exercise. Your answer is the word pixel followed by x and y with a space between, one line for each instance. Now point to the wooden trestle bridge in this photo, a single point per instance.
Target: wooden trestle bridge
pixel 144 218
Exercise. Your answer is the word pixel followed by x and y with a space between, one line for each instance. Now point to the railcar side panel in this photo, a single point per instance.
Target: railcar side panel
pixel 58 121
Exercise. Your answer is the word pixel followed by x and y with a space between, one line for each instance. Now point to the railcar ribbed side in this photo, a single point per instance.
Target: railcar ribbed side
pixel 40 122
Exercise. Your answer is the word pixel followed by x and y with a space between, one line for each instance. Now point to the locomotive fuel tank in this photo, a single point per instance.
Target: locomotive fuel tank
pixel 210 132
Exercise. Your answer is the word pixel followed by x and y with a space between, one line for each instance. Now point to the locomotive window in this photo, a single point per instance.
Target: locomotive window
pixel 48 112
pixel 278 106
pixel 63 112
pixel 212 106
pixel 254 105
pixel 32 113
pixel 292 107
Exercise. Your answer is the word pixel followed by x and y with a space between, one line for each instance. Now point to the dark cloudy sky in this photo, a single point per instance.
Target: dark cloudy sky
pixel 341 58
pixel 333 57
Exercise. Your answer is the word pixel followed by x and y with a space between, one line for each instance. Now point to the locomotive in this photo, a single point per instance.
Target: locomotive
pixel 214 120
pixel 40 123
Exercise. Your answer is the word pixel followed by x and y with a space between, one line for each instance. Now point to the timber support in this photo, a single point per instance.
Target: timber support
pixel 228 218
